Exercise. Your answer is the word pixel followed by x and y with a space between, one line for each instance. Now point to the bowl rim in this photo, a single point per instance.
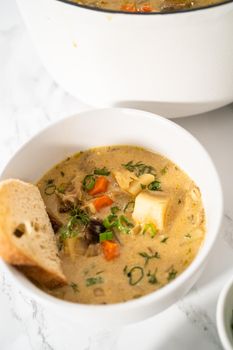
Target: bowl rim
pixel 147 299
pixel 220 313
pixel 109 11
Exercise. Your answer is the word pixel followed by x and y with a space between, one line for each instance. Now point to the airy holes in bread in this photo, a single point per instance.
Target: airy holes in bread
pixel 20 230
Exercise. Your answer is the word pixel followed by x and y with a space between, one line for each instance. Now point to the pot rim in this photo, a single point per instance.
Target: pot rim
pixel 96 9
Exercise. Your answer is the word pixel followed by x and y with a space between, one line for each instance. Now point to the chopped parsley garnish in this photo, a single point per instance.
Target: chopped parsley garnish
pixel 154 186
pixel 75 287
pixel 91 281
pixel 143 186
pixel 148 257
pixel 188 235
pixel 135 275
pixel 129 207
pixel 88 182
pixel 62 188
pixel 104 171
pixel 164 240
pixel 139 168
pixel 106 236
pixel 71 229
pixel 171 274
pixel 152 277
pixel 151 229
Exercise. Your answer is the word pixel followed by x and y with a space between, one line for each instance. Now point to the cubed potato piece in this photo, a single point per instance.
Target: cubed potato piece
pixel 136 185
pixel 151 208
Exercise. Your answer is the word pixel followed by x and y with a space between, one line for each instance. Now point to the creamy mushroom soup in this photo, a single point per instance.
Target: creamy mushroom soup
pixel 127 222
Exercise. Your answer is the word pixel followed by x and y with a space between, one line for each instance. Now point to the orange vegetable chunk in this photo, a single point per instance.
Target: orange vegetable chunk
pixel 101 202
pixel 110 250
pixel 101 185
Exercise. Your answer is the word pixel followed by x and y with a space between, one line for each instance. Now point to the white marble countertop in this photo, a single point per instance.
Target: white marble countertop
pixel 30 100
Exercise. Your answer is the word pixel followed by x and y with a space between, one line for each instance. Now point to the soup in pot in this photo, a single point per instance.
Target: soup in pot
pixel 146 5
pixel 127 222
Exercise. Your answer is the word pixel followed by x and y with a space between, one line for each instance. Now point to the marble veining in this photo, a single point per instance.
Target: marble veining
pixel 29 101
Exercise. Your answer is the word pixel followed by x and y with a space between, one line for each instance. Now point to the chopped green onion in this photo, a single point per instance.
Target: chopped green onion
pixel 110 221
pixel 135 275
pixel 91 281
pixel 151 229
pixel 106 236
pixel 104 171
pixel 88 182
pixel 62 188
pixel 50 189
pixel 154 186
pixel 114 210
pixel 123 224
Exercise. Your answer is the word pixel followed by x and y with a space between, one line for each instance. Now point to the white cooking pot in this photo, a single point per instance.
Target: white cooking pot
pixel 173 64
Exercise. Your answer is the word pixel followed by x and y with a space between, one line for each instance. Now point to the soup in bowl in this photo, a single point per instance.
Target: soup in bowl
pixel 134 214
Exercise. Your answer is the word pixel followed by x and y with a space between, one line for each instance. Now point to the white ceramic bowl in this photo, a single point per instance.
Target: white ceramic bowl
pixel 225 315
pixel 172 64
pixel 121 126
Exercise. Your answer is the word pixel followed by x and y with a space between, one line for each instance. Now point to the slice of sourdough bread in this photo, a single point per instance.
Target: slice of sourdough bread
pixel 26 235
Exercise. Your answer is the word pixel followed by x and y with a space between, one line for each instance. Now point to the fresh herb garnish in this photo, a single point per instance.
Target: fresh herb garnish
pixel 50 189
pixel 164 170
pixel 154 186
pixel 164 240
pixel 62 173
pixel 91 281
pixel 135 275
pixel 71 229
pixel 152 279
pixel 62 188
pixel 50 181
pixel 99 272
pixel 104 171
pixel 151 229
pixel 114 210
pixel 88 182
pixel 148 257
pixel 125 269
pixel 121 223
pixel 143 186
pixel 75 287
pixel 188 235
pixel 129 207
pixel 106 236
pixel 171 274
pixel 139 168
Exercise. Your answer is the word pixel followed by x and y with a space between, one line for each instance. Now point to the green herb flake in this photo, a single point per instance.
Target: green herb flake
pixel 75 287
pixel 151 229
pixel 99 272
pixel 104 171
pixel 139 168
pixel 164 170
pixel 62 173
pixel 71 229
pixel 88 182
pixel 143 186
pixel 164 240
pixel 171 274
pixel 114 210
pixel 152 279
pixel 125 270
pixel 148 257
pixel 91 281
pixel 188 235
pixel 154 186
pixel 62 188
pixel 106 236
pixel 135 275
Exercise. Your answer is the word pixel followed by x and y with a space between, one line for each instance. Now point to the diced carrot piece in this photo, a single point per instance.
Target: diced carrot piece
pixel 110 250
pixel 101 185
pixel 146 8
pixel 101 202
pixel 128 8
